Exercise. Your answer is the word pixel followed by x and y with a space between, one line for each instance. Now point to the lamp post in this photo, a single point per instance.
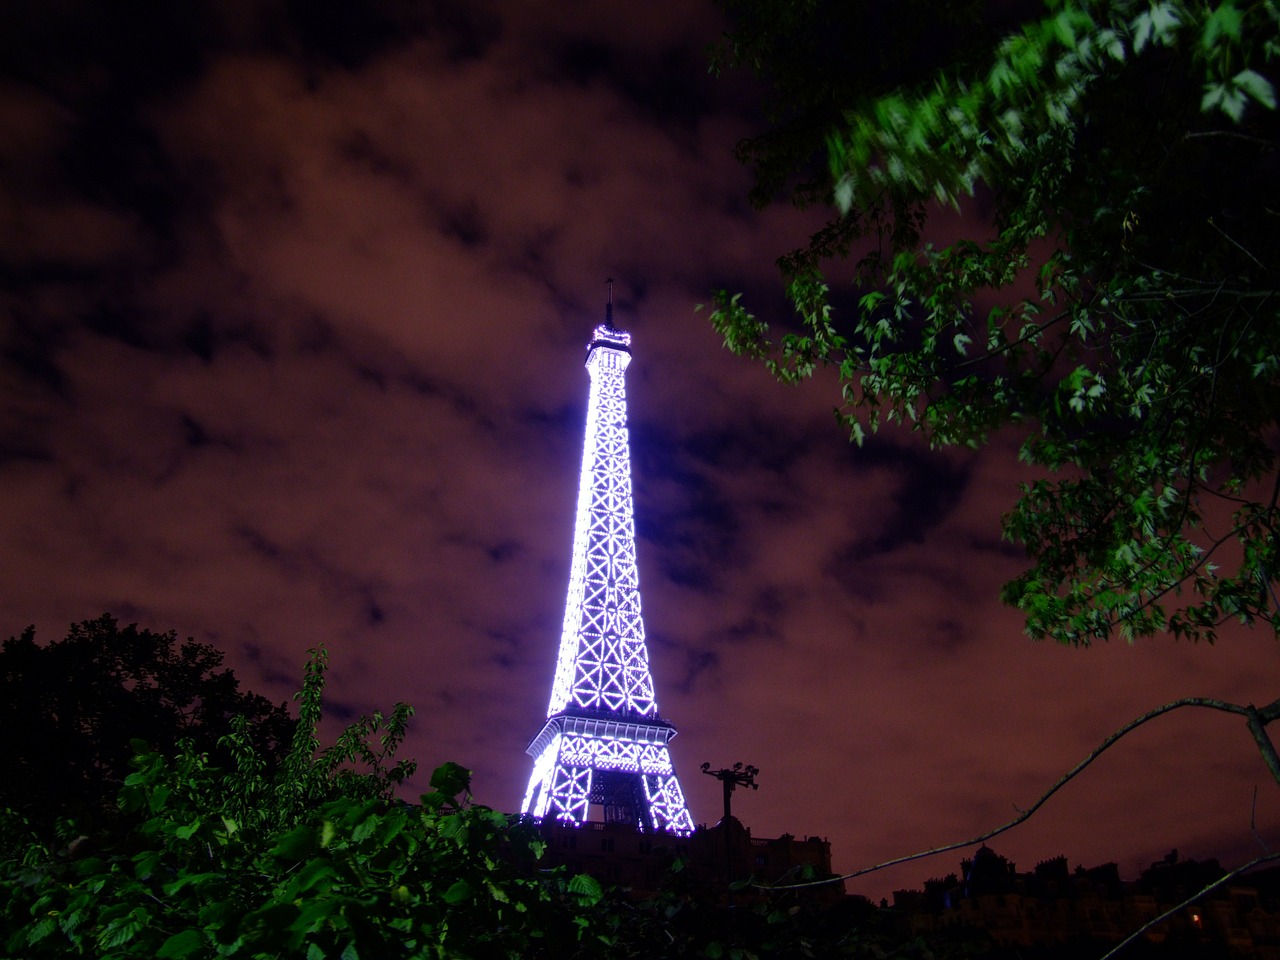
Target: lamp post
pixel 739 775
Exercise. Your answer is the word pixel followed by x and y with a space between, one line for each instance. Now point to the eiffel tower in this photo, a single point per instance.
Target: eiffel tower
pixel 603 742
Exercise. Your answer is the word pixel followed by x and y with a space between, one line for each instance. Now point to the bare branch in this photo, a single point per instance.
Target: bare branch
pixel 1263 716
pixel 1253 822
pixel 1164 295
pixel 1230 875
pixel 1235 243
pixel 1258 727
pixel 1229 134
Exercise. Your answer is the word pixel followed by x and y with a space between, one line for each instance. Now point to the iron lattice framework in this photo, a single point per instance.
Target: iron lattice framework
pixel 604 742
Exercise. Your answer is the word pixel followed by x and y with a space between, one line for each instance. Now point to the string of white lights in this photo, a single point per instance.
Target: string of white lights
pixel 602 671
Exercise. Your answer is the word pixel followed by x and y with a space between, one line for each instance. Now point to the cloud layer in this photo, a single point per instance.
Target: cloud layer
pixel 294 313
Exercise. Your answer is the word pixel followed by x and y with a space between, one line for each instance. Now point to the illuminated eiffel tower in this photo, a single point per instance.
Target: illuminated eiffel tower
pixel 604 742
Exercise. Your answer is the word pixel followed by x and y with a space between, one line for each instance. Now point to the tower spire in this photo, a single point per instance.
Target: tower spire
pixel 603 741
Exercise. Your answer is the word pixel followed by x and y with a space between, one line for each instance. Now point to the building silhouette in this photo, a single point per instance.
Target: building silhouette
pixel 1052 909
pixel 712 857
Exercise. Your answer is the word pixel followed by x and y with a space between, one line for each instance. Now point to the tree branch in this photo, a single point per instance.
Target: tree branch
pixel 1261 716
pixel 1258 720
pixel 1202 560
pixel 1228 134
pixel 1253 822
pixel 1229 875
pixel 1235 243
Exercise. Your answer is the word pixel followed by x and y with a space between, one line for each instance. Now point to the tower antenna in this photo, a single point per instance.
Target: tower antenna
pixel 608 308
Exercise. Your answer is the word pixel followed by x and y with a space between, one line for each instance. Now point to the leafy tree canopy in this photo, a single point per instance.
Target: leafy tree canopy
pixel 70 709
pixel 317 859
pixel 314 858
pixel 1112 293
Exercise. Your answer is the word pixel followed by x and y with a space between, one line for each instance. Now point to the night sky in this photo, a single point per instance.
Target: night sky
pixel 295 302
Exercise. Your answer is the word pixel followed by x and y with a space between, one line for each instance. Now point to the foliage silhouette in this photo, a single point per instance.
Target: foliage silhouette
pixel 316 858
pixel 312 859
pixel 70 710
pixel 1112 294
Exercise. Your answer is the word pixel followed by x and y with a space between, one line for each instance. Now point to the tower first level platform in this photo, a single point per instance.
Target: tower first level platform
pixel 623 766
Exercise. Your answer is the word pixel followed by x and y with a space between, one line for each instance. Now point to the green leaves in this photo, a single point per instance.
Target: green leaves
pixel 181 945
pixel 73 711
pixel 451 780
pixel 586 888
pixel 1158 24
pixel 458 891
pixel 1119 300
pixel 1224 24
pixel 1231 97
pixel 1229 38
pixel 349 874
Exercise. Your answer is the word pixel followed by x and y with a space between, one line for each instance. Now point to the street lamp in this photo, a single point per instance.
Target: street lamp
pixel 743 775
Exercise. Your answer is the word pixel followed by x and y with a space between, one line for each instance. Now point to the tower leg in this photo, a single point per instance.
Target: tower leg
pixel 570 792
pixel 538 794
pixel 666 801
pixel 631 779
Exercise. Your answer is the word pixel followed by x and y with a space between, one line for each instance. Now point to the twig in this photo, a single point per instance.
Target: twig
pixel 1239 246
pixel 1231 134
pixel 1253 822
